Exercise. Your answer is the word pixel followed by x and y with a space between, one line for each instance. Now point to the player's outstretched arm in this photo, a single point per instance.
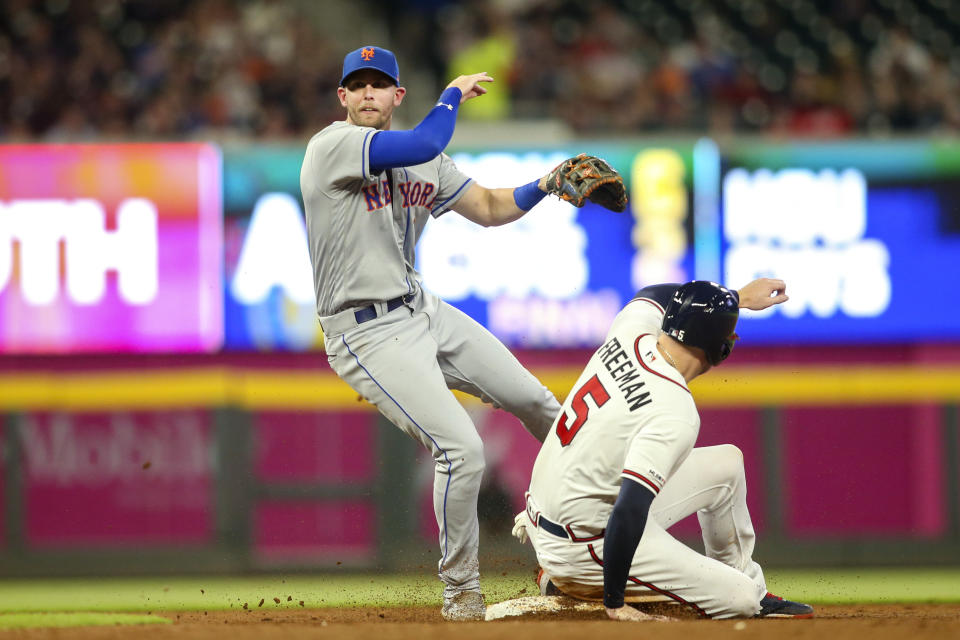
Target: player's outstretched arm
pixel 763 293
pixel 495 207
pixel 392 149
pixel 575 180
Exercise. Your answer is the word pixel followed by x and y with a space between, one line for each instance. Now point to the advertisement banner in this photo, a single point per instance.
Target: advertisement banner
pixel 110 248
pixel 555 278
pixel 336 448
pixel 835 458
pixel 856 230
pixel 304 532
pixel 106 479
pixel 3 490
pixel 124 247
pixel 269 301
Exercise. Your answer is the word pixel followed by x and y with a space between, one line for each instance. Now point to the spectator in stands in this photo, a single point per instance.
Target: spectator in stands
pixel 813 109
pixel 260 68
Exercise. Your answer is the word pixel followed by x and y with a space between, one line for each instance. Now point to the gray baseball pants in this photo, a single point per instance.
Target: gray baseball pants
pixel 405 362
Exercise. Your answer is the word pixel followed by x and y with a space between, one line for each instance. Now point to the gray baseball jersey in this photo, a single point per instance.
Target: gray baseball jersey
pixel 361 241
pixel 405 357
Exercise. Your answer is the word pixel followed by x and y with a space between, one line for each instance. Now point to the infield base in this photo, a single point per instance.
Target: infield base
pixel 540 606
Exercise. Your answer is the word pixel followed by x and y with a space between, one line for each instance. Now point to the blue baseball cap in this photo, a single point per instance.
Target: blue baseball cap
pixel 371 57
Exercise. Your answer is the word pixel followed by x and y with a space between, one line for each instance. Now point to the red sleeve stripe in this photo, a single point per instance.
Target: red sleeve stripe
pixel 653 485
pixel 636 350
pixel 653 302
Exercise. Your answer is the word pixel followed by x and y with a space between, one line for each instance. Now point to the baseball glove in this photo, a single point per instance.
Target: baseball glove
pixel 590 178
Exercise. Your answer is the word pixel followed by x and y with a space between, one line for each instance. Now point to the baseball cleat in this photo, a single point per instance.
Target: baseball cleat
pixel 547 588
pixel 772 606
pixel 466 605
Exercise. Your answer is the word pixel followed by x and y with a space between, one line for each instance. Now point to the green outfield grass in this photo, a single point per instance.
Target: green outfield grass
pixel 147 595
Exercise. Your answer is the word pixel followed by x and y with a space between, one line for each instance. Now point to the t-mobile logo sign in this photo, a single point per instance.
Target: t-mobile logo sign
pixel 89 249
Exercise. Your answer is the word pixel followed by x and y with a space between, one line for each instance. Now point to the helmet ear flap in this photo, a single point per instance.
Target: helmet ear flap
pixel 727 347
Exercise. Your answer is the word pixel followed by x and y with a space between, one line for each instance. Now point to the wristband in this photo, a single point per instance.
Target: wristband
pixel 528 195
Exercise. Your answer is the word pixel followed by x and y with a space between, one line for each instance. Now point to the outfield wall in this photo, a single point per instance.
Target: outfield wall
pixel 236 463
pixel 167 405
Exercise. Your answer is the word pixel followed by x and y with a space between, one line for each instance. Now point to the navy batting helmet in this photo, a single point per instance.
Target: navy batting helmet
pixel 703 314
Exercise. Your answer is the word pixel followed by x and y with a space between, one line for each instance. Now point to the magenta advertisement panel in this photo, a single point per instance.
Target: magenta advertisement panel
pixel 334 448
pixel 864 471
pixel 108 479
pixel 3 491
pixel 341 531
pixel 110 248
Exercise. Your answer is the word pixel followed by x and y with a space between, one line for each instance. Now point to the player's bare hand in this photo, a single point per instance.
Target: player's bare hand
pixel 763 293
pixel 470 85
pixel 626 613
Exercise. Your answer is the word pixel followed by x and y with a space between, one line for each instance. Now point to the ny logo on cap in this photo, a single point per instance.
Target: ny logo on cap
pixel 367 53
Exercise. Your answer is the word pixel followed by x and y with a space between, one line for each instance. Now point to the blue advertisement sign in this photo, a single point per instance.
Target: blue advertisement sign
pixel 859 238
pixel 858 230
pixel 555 278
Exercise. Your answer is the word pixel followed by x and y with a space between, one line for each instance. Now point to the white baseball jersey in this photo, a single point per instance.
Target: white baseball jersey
pixel 630 415
pixel 361 246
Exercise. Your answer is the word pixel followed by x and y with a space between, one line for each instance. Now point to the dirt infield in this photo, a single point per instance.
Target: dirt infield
pixel 875 622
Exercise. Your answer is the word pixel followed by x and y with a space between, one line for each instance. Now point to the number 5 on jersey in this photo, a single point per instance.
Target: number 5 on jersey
pixel 581 410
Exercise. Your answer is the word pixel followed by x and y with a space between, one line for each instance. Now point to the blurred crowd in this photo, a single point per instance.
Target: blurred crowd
pixel 84 69
pixel 162 69
pixel 798 67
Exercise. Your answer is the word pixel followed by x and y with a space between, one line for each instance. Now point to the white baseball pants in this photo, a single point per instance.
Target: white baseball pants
pixel 724 583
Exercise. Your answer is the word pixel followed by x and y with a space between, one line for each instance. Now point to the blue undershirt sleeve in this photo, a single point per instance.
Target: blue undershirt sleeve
pixel 392 149
pixel 624 530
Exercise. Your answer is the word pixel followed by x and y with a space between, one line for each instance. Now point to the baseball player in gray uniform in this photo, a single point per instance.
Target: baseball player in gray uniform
pixel 368 192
